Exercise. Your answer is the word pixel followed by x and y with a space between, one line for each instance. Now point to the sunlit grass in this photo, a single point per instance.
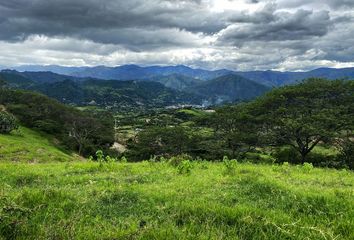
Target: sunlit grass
pixel 26 145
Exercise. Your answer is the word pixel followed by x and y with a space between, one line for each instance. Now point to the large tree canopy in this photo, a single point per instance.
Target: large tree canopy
pixel 301 116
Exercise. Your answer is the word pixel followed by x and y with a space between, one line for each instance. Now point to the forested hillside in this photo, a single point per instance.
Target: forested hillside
pixel 309 122
pixel 74 130
pixel 158 91
pixel 228 89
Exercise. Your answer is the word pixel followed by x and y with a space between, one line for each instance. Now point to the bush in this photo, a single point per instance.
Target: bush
pixel 8 123
pixel 177 160
pixel 286 154
pixel 102 159
pixel 323 160
pixel 307 167
pixel 346 156
pixel 230 166
pixel 47 126
pixel 185 167
pixel 290 155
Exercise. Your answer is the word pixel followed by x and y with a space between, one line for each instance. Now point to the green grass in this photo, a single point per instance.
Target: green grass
pixel 29 146
pixel 152 201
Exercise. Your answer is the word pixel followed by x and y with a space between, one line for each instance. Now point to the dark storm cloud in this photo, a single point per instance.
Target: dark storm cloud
pixel 238 34
pixel 269 25
pixel 105 21
pixel 335 4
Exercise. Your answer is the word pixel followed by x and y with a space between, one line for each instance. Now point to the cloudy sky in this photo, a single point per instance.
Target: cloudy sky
pixel 212 34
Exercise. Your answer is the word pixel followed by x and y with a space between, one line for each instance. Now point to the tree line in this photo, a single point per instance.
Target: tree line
pixel 287 123
pixel 75 130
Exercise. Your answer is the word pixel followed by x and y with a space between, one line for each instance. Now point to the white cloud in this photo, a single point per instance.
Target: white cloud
pixel 234 34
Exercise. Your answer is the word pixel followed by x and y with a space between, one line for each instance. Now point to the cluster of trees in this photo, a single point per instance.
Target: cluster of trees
pixel 302 116
pixel 8 122
pixel 295 118
pixel 84 132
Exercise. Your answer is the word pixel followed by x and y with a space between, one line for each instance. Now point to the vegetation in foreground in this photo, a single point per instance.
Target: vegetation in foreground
pixel 150 200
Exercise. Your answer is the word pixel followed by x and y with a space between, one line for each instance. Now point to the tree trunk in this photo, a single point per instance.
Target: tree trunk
pixel 303 156
pixel 80 149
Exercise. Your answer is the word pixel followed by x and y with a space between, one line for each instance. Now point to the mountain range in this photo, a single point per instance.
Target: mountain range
pixel 134 72
pixel 174 89
pixel 134 86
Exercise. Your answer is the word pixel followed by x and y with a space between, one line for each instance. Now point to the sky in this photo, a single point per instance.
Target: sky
pixel 284 35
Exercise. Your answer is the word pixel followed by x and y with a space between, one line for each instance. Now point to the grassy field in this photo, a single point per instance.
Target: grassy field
pixel 154 201
pixel 29 146
pixel 46 194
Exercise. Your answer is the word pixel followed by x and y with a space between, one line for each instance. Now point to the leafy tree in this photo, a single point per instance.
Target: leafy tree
pixel 306 114
pixel 237 129
pixel 345 144
pixel 8 122
pixel 81 130
pixel 159 141
pixel 74 129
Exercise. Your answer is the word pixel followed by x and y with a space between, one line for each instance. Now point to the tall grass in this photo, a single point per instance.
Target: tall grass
pixel 154 201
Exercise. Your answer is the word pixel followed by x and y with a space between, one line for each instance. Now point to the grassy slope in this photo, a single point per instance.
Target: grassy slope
pixel 29 146
pixel 152 201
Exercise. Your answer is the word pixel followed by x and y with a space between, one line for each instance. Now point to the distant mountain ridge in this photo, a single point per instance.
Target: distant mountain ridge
pixel 127 72
pixel 160 91
pixel 135 72
pixel 106 93
pixel 276 79
pixel 229 88
pixel 133 85
pixel 177 81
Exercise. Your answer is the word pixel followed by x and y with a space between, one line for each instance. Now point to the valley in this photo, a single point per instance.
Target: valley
pixel 177 120
pixel 174 157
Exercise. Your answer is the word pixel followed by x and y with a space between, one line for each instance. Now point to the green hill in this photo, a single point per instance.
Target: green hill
pixel 27 145
pixel 74 130
pixel 15 79
pixel 229 88
pixel 119 95
pixel 177 81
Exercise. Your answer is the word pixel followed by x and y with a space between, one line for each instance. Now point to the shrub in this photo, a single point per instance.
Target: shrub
pixel 307 167
pixel 8 123
pixel 177 160
pixel 230 166
pixel 100 157
pixel 286 154
pixel 123 159
pixel 110 159
pixel 185 167
pixel 346 156
pixel 286 164
pixel 323 160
